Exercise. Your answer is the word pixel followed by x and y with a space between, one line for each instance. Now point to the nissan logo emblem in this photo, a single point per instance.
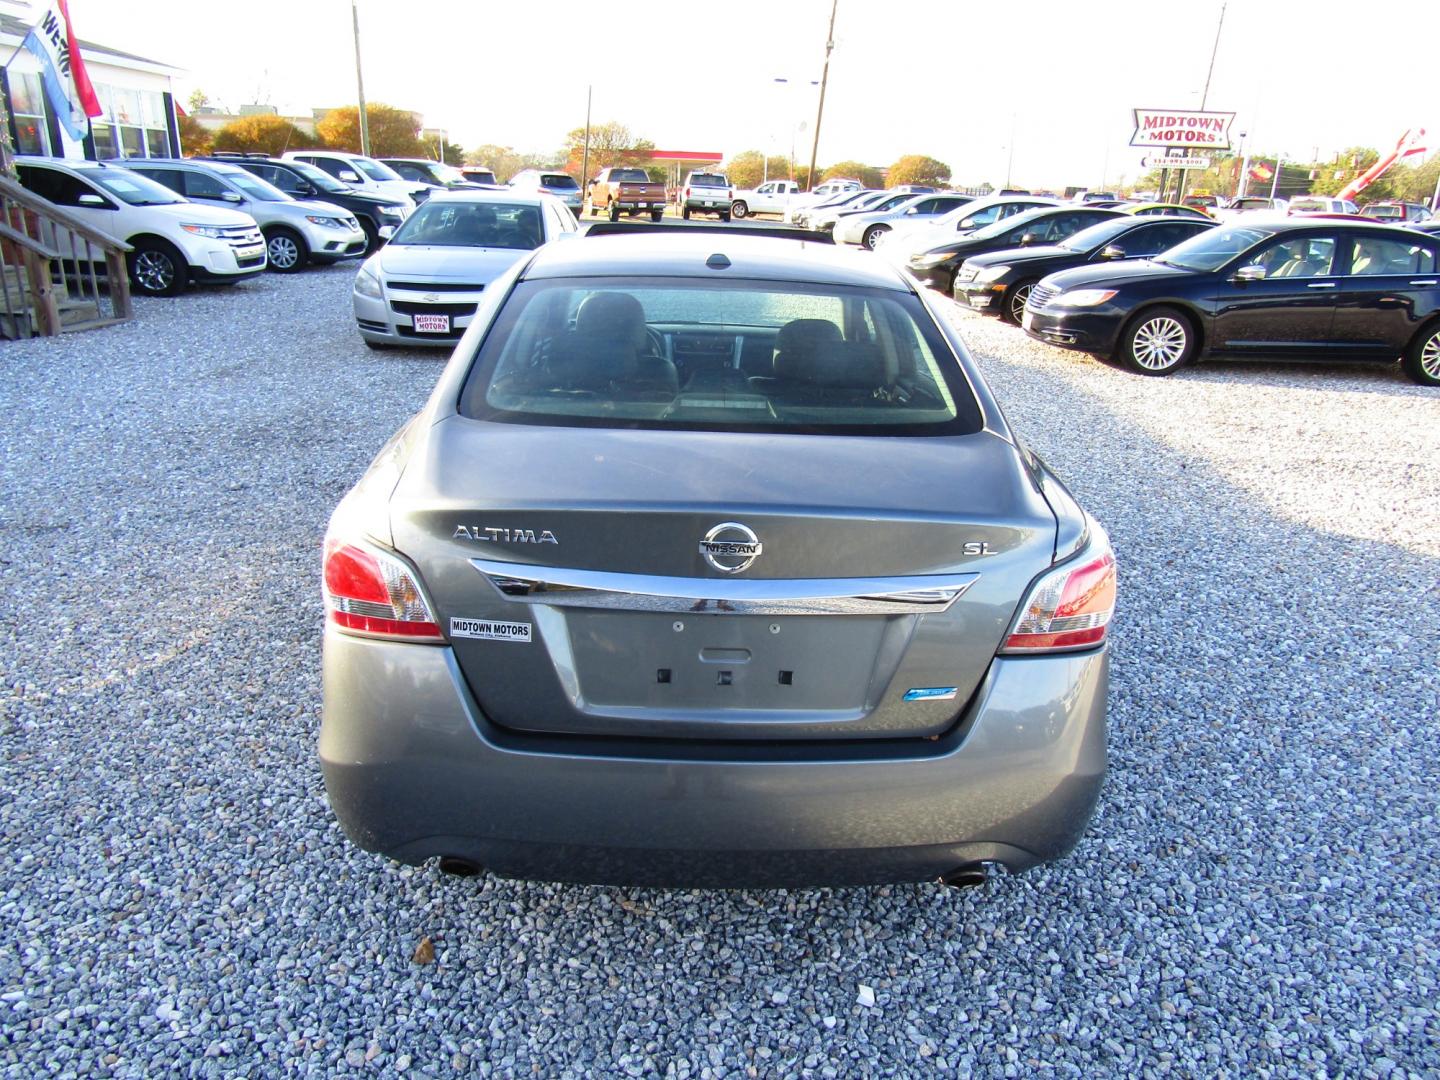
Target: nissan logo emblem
pixel 731 547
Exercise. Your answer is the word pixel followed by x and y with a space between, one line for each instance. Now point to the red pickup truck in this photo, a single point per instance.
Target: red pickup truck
pixel 630 190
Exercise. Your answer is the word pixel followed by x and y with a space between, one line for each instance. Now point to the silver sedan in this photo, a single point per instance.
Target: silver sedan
pixel 712 560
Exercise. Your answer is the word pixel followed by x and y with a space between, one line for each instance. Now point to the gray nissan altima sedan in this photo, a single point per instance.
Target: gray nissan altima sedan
pixel 712 561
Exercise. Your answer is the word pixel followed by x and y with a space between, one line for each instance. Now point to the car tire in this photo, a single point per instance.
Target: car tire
pixel 656 215
pixel 739 210
pixel 872 235
pixel 725 215
pixel 1012 304
pixel 685 213
pixel 1422 358
pixel 614 214
pixel 1157 342
pixel 286 251
pixel 378 346
pixel 157 268
pixel 372 236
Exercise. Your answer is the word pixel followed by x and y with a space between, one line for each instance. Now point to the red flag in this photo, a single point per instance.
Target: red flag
pixel 84 90
pixel 1261 172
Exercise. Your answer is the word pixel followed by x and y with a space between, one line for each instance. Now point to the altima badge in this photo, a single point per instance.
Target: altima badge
pixel 731 547
pixel 503 536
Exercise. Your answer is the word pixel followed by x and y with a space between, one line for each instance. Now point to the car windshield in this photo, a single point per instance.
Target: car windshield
pixel 629 176
pixel 319 177
pixel 1385 211
pixel 1096 236
pixel 133 188
pixel 1310 205
pixel 255 187
pixel 479 176
pixel 1250 204
pixel 446 223
pixel 559 181
pixel 1004 225
pixel 1214 248
pixel 707 180
pixel 740 355
pixel 375 170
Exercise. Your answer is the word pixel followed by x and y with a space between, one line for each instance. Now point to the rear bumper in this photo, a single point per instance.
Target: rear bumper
pixel 414 770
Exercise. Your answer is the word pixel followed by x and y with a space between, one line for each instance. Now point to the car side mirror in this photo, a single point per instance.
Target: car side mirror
pixel 1248 273
pixel 93 200
pixel 1112 251
pixel 231 197
pixel 349 177
pixel 1029 238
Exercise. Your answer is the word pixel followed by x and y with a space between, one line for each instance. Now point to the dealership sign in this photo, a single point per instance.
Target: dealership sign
pixel 1192 130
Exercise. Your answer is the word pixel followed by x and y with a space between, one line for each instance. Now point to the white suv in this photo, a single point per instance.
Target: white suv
pixel 175 242
pixel 363 174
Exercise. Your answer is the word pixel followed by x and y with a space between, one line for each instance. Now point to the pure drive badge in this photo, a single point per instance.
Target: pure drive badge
pixel 486 630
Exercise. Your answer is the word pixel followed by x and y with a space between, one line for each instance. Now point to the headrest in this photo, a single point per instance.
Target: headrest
pixel 612 317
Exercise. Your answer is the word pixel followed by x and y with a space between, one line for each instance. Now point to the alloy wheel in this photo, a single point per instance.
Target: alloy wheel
pixel 284 252
pixel 1018 299
pixel 1159 343
pixel 154 271
pixel 1430 357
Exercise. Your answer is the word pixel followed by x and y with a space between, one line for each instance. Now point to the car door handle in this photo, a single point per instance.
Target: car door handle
pixel 1321 285
pixel 1430 282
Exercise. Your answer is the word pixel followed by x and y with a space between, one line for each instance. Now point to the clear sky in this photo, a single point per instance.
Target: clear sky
pixel 940 77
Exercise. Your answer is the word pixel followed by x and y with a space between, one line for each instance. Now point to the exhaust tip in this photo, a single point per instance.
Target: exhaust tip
pixel 965 877
pixel 457 867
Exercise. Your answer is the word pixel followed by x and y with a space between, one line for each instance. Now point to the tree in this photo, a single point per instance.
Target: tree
pixel 918 169
pixel 506 161
pixel 868 175
pixel 454 152
pixel 393 132
pixel 261 134
pixel 195 138
pixel 750 167
pixel 611 143
pixel 197 100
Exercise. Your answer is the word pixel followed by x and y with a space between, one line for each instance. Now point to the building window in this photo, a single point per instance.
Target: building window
pixel 27 102
pixel 133 124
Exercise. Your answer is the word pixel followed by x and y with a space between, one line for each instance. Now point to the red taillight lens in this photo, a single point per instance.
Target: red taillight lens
pixel 1067 609
pixel 371 594
pixel 687 193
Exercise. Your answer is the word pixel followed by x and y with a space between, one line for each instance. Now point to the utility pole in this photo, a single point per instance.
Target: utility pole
pixel 1205 94
pixel 824 78
pixel 360 82
pixel 585 153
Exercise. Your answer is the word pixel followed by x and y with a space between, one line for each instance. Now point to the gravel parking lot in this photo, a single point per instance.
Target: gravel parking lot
pixel 1259 893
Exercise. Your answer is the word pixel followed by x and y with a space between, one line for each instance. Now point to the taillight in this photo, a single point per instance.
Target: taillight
pixel 371 594
pixel 1069 608
pixel 687 193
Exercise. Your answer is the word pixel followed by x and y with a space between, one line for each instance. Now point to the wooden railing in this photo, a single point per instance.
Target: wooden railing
pixel 57 272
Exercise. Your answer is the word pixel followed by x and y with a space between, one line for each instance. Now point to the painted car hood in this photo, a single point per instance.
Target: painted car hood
pixel 421 262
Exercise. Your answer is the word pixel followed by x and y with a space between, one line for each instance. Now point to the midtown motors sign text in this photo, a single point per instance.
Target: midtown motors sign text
pixel 1197 130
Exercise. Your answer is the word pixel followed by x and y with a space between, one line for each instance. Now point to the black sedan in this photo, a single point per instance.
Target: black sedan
pixel 937 266
pixel 1002 280
pixel 1327 289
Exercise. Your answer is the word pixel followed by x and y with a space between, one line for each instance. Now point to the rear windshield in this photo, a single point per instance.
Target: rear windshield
pixel 1310 204
pixel 702 356
pixel 465 224
pixel 629 176
pixel 1386 211
pixel 558 180
pixel 708 180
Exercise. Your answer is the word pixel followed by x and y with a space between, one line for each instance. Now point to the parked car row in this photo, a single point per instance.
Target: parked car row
pixel 1157 293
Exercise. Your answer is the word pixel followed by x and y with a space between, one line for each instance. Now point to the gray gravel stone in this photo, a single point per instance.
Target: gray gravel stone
pixel 1257 895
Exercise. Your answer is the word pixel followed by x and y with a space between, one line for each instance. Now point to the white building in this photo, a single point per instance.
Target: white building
pixel 138 96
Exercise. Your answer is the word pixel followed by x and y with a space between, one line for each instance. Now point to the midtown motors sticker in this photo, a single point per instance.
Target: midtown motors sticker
pixel 485 630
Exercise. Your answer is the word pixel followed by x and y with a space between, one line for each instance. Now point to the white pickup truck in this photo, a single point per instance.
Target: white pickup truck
pixel 819 195
pixel 771 197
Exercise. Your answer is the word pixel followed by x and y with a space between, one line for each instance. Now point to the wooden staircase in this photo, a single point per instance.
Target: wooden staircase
pixel 57 273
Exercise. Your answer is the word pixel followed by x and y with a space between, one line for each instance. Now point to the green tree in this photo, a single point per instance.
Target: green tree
pixel 430 148
pixel 917 169
pixel 868 175
pixel 195 138
pixel 393 132
pixel 197 100
pixel 750 167
pixel 261 134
